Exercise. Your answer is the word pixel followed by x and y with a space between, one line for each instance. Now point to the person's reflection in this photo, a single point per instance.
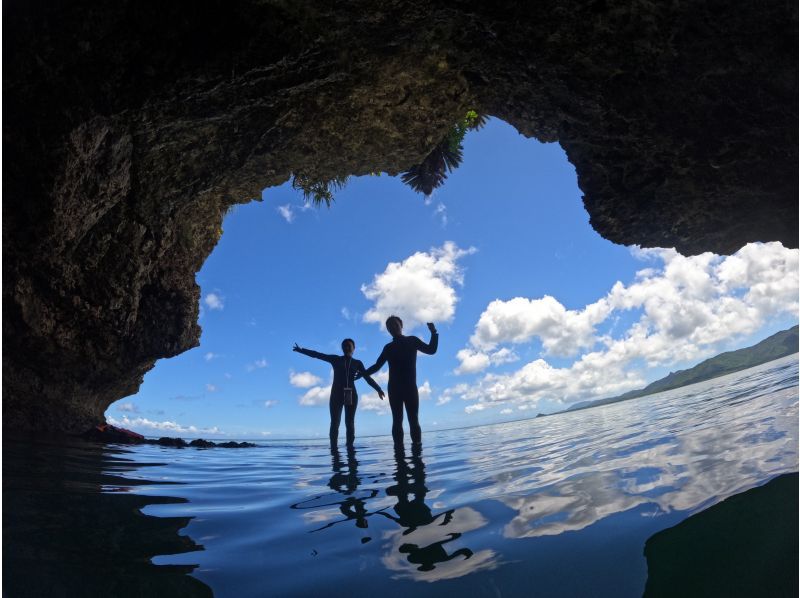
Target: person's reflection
pixel 352 508
pixel 412 513
pixel 345 480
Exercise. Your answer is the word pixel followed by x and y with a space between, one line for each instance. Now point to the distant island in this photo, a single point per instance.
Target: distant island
pixel 776 346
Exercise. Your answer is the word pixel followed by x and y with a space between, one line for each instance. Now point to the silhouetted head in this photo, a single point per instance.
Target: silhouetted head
pixel 348 346
pixel 394 325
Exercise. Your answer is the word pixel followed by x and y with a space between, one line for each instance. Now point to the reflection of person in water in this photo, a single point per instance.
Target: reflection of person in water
pixel 352 507
pixel 347 484
pixel 413 513
pixel 401 354
pixel 428 556
pixel 343 390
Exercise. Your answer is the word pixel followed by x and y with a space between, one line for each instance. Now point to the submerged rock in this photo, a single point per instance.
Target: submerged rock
pixel 131 127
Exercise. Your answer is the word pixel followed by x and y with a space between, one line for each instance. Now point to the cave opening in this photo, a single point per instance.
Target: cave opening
pixel 505 242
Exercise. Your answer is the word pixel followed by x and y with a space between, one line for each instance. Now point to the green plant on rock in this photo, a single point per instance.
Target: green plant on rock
pixel 318 191
pixel 445 157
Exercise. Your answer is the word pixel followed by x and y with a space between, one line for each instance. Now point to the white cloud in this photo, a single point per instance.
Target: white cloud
pixel 270 403
pixel 686 310
pixel 345 313
pixel 127 408
pixel 211 388
pixel 440 211
pixel 315 396
pixel 303 379
pixel 286 212
pixel 418 289
pixel 425 391
pixel 210 356
pixel 506 411
pixel 458 390
pixel 472 361
pixel 258 364
pixel 563 332
pixel 381 378
pixel 372 402
pixel 214 301
pixel 162 426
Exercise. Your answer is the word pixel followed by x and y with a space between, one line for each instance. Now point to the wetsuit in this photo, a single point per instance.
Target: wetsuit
pixel 401 354
pixel 345 370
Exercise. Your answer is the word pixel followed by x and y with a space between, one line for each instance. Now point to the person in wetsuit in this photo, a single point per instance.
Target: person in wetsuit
pixel 343 389
pixel 401 354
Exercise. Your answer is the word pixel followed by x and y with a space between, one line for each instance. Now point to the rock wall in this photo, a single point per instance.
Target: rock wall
pixel 131 127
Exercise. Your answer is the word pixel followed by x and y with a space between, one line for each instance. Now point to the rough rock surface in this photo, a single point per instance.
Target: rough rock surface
pixel 130 127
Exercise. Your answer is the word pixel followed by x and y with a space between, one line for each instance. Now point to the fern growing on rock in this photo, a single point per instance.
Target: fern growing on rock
pixel 445 157
pixel 318 191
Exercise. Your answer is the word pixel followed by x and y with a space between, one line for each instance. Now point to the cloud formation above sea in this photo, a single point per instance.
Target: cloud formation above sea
pixel 683 308
pixel 421 288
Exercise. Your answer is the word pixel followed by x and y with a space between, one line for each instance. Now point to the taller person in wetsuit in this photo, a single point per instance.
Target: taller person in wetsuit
pixel 401 354
pixel 343 389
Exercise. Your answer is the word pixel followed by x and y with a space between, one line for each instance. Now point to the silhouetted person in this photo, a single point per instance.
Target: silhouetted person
pixel 343 390
pixel 401 354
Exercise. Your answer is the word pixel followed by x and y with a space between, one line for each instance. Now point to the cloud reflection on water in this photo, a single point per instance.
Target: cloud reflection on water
pixel 674 464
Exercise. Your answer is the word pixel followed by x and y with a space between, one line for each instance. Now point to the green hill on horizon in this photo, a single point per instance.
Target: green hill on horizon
pixel 774 347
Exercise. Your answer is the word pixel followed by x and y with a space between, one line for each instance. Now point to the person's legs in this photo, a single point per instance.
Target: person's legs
pixel 336 417
pixel 396 404
pixel 350 422
pixel 411 401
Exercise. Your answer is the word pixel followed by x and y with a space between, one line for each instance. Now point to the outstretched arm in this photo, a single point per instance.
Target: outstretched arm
pixel 371 382
pixel 377 365
pixel 432 346
pixel 314 354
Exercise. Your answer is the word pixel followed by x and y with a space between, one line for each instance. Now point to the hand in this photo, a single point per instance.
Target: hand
pixel 432 327
pixel 381 395
pixel 296 347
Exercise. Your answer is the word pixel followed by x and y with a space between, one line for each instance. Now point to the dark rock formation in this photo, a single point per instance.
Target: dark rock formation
pixel 130 127
pixel 745 545
pixel 78 531
pixel 108 434
pixel 113 434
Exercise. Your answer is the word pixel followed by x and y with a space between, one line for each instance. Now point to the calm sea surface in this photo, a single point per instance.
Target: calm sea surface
pixel 557 506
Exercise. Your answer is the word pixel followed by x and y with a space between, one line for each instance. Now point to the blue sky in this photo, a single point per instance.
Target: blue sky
pixel 502 257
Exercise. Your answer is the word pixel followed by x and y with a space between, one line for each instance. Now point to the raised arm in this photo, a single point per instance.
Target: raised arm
pixel 377 365
pixel 314 354
pixel 432 346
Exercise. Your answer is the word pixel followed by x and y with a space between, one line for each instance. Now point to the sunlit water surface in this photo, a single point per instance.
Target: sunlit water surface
pixel 556 506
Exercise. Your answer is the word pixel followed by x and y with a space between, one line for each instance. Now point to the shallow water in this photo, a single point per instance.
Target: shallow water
pixel 556 506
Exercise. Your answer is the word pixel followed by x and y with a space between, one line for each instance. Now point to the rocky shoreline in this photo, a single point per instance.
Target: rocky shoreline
pixel 113 434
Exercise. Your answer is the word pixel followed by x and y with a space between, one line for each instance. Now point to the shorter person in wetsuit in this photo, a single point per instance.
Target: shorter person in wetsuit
pixel 401 354
pixel 343 389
